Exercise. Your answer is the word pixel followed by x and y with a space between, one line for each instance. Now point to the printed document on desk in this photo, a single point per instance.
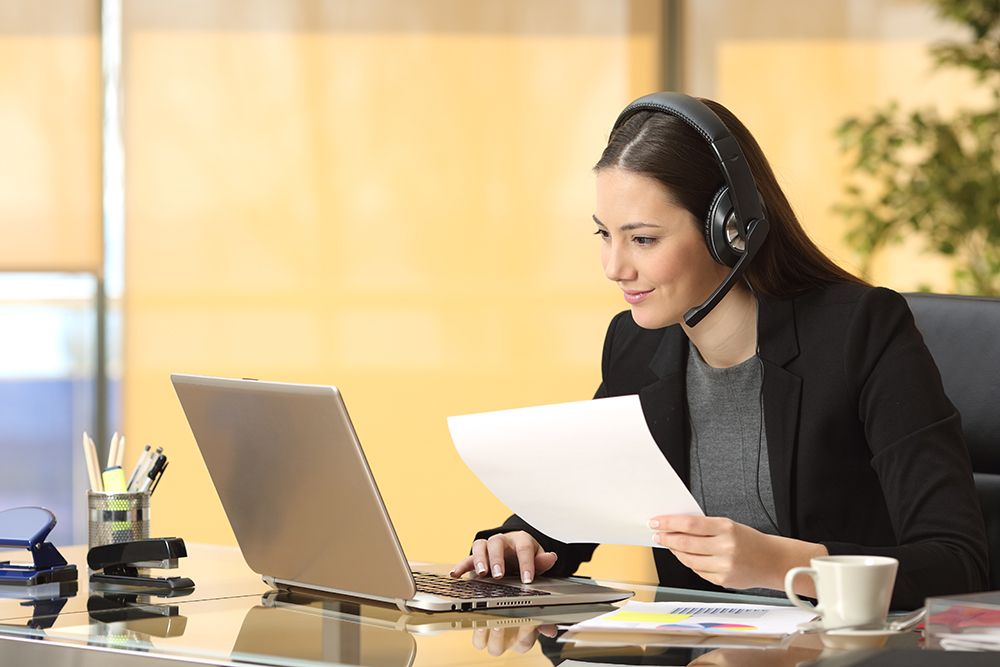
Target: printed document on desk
pixel 587 471
pixel 699 618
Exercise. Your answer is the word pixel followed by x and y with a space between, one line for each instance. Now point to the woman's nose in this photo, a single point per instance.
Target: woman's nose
pixel 616 264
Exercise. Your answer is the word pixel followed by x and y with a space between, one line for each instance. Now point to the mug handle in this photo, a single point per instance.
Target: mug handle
pixel 790 584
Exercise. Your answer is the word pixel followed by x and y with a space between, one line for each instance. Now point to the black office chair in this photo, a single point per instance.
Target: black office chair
pixel 963 335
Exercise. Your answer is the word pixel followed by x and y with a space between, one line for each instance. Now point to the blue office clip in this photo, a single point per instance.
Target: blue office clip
pixel 27 528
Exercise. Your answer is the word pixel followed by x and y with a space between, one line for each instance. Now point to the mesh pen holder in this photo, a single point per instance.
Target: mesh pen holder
pixel 117 517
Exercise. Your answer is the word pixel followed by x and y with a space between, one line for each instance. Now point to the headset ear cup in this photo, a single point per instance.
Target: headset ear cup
pixel 720 212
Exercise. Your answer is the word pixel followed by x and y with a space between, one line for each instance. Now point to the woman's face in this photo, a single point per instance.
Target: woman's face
pixel 652 248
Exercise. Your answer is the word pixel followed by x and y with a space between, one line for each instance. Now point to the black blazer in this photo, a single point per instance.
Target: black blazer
pixel 865 450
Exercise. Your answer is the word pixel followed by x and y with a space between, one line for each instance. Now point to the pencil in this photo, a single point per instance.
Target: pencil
pixel 93 469
pixel 121 452
pixel 113 451
pixel 97 464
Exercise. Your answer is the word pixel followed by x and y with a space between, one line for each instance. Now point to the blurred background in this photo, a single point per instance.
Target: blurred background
pixel 393 197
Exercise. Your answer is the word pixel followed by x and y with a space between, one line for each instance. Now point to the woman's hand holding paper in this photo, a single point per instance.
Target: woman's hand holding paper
pixel 731 554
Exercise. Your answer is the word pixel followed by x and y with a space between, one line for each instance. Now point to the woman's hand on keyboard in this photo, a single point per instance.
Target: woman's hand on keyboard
pixel 517 551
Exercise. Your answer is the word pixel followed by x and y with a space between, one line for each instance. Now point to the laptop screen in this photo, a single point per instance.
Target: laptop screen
pixel 295 485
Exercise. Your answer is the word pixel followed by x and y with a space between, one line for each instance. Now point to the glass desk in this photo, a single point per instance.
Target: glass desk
pixel 232 617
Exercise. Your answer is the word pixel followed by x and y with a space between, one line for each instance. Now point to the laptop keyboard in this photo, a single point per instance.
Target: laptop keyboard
pixel 439 584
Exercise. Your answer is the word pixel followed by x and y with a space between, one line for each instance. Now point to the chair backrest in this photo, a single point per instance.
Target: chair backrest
pixel 963 335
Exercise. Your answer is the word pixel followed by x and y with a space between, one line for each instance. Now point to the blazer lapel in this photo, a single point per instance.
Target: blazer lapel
pixel 778 344
pixel 664 401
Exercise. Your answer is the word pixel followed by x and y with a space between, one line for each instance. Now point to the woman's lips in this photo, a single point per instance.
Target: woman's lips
pixel 634 297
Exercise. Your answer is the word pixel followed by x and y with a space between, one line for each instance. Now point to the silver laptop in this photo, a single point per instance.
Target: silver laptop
pixel 296 486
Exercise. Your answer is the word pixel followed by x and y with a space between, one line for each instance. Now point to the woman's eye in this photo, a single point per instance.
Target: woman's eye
pixel 644 240
pixel 603 233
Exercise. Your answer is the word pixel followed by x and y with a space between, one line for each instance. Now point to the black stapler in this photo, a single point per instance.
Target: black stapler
pixel 120 563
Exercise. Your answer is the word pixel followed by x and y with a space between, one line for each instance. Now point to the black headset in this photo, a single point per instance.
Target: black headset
pixel 736 223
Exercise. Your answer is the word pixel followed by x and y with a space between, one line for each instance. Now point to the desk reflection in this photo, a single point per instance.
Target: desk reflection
pixel 351 632
pixel 134 615
pixel 748 657
pixel 315 628
pixel 45 601
pixel 324 630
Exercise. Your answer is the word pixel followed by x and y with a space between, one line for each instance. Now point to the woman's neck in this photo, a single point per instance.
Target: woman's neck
pixel 728 335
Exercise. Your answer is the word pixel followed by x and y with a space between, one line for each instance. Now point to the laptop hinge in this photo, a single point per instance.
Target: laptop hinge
pixel 321 591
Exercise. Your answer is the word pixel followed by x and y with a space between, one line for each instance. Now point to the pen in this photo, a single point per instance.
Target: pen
pixel 144 467
pixel 156 482
pixel 138 466
pixel 153 472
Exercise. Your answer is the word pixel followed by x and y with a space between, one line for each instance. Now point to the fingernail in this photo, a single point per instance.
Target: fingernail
pixel 653 523
pixel 526 577
pixel 480 568
pixel 496 571
pixel 656 538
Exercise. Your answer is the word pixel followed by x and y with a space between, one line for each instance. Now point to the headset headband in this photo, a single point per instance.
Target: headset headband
pixel 704 121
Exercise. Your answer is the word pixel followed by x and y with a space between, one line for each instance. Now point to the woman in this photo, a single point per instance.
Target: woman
pixel 800 405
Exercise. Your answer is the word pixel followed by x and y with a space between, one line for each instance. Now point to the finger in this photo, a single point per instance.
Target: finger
pixel 709 659
pixel 480 558
pixel 496 644
pixel 548 630
pixel 685 543
pixel 495 547
pixel 544 561
pixel 693 525
pixel 524 639
pixel 525 548
pixel 479 636
pixel 462 566
pixel 702 565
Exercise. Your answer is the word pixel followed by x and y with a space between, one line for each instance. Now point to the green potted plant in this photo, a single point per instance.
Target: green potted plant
pixel 919 173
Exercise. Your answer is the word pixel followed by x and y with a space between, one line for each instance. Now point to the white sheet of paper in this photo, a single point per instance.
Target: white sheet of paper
pixel 587 471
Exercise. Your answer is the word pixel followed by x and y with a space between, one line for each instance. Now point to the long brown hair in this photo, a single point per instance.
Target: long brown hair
pixel 661 146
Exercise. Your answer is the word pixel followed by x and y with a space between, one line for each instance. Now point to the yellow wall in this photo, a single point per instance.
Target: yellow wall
pixel 50 179
pixel 797 125
pixel 794 72
pixel 398 204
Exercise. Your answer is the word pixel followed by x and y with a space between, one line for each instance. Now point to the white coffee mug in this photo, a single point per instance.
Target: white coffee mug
pixel 850 590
